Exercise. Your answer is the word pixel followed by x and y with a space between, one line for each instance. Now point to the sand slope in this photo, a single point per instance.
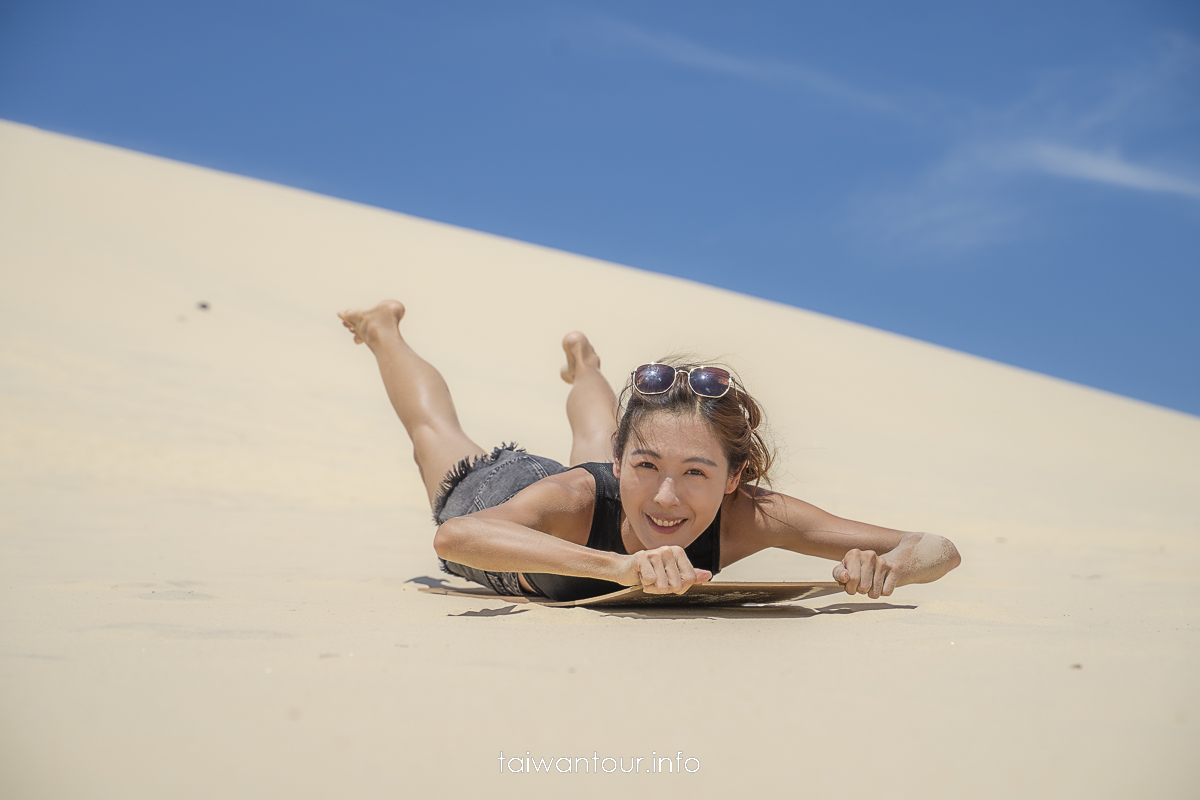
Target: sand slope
pixel 212 536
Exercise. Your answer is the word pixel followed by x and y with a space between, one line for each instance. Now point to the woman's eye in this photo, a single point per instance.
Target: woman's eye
pixel 646 464
pixel 695 472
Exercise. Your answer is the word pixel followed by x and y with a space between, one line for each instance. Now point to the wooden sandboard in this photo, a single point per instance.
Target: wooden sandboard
pixel 716 593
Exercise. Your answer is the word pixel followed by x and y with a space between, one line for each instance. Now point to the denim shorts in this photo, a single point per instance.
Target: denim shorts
pixel 483 482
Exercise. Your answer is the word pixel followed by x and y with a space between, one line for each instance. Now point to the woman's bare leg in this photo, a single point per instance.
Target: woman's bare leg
pixel 417 391
pixel 591 405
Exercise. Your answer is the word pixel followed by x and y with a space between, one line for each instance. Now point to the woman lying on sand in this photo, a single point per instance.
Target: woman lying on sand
pixel 662 495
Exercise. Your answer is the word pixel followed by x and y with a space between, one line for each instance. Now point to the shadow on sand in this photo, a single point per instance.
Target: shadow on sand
pixel 752 612
pixel 506 611
pixel 778 611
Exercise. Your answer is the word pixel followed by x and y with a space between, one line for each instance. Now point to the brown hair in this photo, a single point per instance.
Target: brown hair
pixel 734 419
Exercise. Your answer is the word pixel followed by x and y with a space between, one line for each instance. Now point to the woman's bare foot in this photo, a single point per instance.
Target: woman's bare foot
pixel 591 404
pixel 368 323
pixel 579 351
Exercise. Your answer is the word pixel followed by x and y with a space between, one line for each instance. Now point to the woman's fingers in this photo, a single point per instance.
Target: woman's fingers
pixel 692 575
pixel 853 571
pixel 647 571
pixel 662 583
pixel 866 575
pixel 667 569
pixel 674 578
pixel 878 579
pixel 866 579
pixel 687 573
pixel 864 572
pixel 889 583
pixel 654 576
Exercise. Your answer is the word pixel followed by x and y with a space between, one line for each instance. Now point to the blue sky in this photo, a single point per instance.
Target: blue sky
pixel 1019 180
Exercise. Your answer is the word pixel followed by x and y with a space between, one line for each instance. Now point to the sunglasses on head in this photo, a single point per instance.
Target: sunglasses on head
pixel 659 378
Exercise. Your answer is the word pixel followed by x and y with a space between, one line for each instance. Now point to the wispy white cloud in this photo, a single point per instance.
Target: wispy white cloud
pixel 682 52
pixel 1107 168
pixel 952 207
pixel 1071 127
pixel 1068 126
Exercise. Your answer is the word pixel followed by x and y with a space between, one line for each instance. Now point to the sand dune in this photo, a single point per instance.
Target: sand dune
pixel 213 535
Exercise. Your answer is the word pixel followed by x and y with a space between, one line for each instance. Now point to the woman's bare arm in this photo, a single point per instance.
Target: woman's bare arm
pixel 873 560
pixel 545 528
pixel 542 529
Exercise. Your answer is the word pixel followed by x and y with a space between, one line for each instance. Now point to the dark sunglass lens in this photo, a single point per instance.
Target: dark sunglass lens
pixel 653 378
pixel 709 381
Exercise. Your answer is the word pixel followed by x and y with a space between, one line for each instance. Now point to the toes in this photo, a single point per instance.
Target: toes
pixel 573 340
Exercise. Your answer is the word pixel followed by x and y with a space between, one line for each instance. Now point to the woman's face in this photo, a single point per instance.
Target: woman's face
pixel 673 477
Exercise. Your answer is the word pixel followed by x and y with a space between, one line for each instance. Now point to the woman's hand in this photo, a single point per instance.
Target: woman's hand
pixel 663 570
pixel 864 572
pixel 918 558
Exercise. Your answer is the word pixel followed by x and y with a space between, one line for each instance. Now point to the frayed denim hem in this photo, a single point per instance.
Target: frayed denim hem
pixel 461 470
pixel 502 583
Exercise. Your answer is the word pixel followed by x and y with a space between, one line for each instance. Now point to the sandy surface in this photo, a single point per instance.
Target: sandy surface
pixel 212 535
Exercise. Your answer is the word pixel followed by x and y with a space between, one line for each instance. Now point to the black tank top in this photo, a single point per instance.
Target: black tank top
pixel 704 553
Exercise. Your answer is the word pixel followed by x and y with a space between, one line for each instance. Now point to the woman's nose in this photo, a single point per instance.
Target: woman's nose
pixel 666 496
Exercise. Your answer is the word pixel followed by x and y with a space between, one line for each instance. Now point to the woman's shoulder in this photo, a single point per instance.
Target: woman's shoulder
pixel 576 480
pixel 560 505
pixel 570 491
pixel 604 483
pixel 747 516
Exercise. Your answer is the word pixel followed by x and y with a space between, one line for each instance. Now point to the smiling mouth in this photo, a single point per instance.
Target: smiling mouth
pixel 668 524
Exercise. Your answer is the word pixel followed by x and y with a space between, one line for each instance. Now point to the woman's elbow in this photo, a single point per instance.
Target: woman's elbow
pixel 447 541
pixel 953 559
